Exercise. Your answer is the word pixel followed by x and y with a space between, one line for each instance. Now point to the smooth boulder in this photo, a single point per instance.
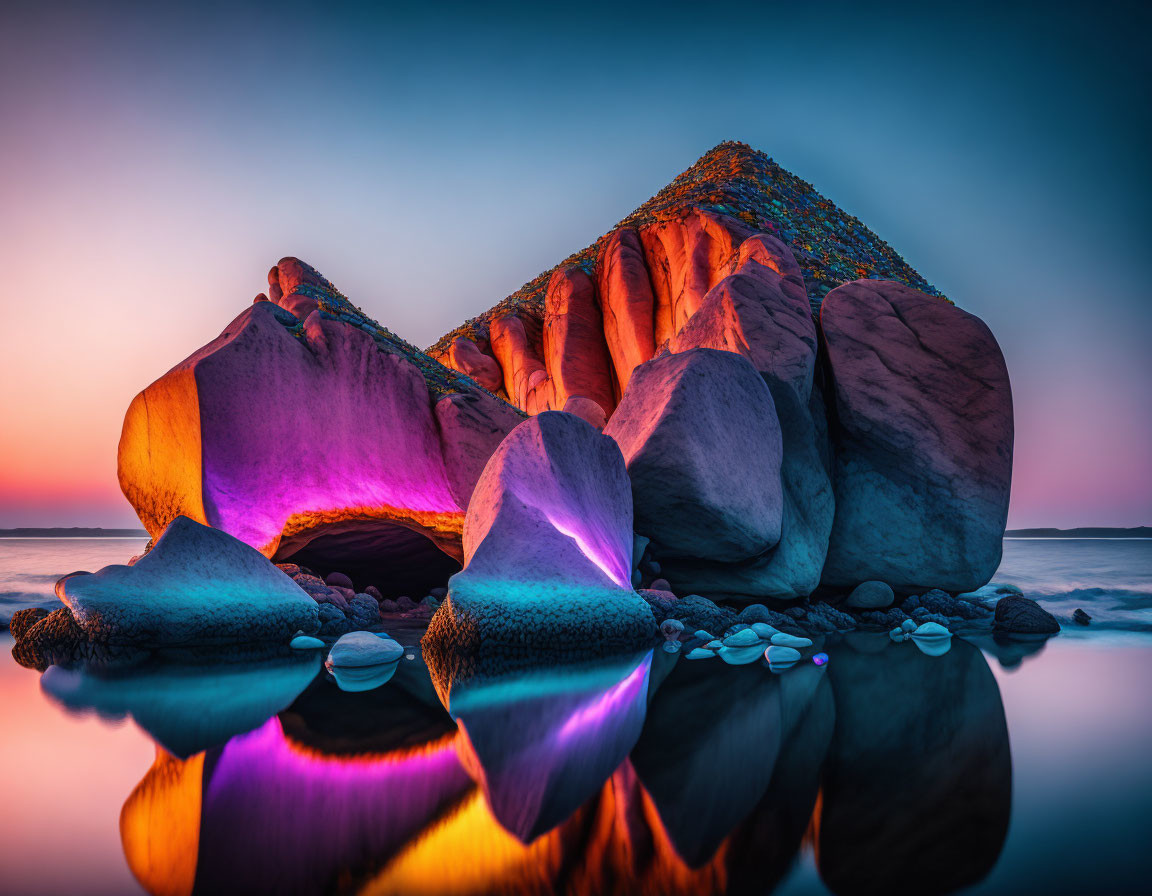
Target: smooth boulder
pixel 699 433
pixel 548 555
pixel 922 422
pixel 870 596
pixel 762 312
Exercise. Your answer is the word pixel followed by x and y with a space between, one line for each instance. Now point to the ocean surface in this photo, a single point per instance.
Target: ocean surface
pixel 982 771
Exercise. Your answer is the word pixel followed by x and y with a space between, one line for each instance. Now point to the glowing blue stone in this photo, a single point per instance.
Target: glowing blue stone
pixel 820 659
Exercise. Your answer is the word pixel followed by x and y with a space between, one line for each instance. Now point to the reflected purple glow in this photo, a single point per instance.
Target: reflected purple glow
pixel 586 719
pixel 279 818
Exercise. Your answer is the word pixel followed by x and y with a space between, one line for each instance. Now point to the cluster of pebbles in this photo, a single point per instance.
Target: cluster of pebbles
pixel 343 609
pixel 739 645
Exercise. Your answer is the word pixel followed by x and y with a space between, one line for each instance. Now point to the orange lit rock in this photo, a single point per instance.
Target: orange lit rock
pixel 465 356
pixel 686 256
pixel 160 825
pixel 518 361
pixel 574 349
pixel 626 299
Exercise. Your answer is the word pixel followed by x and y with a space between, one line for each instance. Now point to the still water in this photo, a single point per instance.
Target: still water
pixel 884 771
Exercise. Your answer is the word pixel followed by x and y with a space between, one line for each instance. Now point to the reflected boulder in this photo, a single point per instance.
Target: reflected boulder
pixel 918 784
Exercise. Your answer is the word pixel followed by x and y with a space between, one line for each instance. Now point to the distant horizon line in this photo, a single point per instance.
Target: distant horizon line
pixel 122 532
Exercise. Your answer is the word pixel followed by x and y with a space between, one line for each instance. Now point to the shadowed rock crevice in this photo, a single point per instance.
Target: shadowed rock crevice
pixel 397 558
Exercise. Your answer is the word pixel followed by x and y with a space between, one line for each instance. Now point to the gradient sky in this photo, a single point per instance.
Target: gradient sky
pixel 154 162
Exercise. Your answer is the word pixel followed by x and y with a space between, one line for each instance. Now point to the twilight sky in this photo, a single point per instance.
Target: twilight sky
pixel 155 162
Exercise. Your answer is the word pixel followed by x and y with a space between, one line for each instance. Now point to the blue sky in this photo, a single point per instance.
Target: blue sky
pixel 155 162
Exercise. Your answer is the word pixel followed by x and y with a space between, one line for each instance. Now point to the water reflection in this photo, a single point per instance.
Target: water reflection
pixel 918 780
pixel 187 703
pixel 640 775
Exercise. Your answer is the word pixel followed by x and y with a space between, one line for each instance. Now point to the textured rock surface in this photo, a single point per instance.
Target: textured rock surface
pixel 311 428
pixel 699 434
pixel 1022 615
pixel 923 436
pixel 653 272
pixel 196 586
pixel 548 551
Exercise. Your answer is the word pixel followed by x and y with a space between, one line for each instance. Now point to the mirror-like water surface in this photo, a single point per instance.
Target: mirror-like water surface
pixel 886 770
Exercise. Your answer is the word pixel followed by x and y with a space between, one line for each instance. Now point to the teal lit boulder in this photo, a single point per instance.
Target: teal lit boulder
pixel 188 703
pixel 196 586
pixel 548 554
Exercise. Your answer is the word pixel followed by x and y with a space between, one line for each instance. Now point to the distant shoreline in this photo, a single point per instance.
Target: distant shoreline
pixel 97 532
pixel 72 532
pixel 1084 532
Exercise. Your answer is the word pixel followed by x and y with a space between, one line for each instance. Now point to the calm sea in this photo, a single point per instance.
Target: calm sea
pixel 369 795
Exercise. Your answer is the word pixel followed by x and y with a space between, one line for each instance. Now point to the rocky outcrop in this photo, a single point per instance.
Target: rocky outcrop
pixel 699 434
pixel 922 413
pixel 873 445
pixel 197 585
pixel 548 552
pixel 305 428
pixel 1023 616
pixel 761 311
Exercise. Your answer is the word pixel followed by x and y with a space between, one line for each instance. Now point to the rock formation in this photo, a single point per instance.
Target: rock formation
pixel 548 553
pixel 864 435
pixel 700 437
pixel 308 431
pixel 922 413
pixel 735 255
pixel 198 585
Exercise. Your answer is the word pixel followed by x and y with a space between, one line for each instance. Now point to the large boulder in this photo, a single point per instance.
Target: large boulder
pixel 548 553
pixel 762 312
pixel 322 435
pixel 922 412
pixel 699 433
pixel 197 585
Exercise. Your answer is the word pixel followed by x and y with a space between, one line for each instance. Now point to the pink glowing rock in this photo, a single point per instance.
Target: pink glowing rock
pixel 306 438
pixel 699 433
pixel 923 412
pixel 554 501
pixel 547 551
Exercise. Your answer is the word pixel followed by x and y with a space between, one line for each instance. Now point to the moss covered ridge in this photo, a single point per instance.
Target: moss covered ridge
pixel 739 182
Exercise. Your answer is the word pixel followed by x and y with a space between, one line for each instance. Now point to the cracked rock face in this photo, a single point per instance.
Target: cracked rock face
pixel 922 430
